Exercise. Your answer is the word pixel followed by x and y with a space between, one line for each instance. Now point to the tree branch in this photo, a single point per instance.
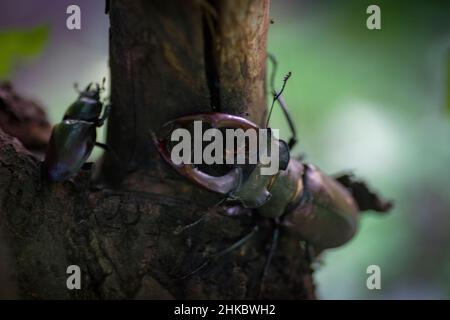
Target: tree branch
pixel 125 239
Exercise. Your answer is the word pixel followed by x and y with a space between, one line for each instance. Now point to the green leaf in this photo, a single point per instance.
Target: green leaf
pixel 20 45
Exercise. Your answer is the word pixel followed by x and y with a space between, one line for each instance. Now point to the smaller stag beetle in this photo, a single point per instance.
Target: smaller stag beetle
pixel 73 139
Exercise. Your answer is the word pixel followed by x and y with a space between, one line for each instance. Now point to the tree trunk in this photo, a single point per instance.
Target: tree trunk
pixel 168 58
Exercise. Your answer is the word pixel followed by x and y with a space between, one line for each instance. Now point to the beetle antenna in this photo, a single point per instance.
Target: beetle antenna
pixel 75 86
pixel 277 95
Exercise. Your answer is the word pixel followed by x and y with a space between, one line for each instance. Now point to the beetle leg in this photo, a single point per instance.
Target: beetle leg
pixel 274 62
pixel 181 229
pixel 223 252
pixel 105 115
pixel 273 247
pixel 103 146
pixel 73 184
pixel 107 148
pixel 102 88
pixel 293 139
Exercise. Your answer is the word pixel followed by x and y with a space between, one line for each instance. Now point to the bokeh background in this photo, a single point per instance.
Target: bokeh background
pixel 372 101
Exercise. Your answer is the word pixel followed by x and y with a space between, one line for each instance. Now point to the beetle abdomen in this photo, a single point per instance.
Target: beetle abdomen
pixel 329 218
pixel 70 145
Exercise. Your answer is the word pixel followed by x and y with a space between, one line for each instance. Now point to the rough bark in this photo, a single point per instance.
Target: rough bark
pixel 167 58
pixel 24 119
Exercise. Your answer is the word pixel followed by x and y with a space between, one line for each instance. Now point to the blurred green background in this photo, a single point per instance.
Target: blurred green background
pixel 372 101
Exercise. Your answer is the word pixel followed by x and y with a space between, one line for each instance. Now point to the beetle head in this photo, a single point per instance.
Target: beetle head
pixel 92 91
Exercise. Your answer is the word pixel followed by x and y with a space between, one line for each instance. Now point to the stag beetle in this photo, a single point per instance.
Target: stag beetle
pixel 73 139
pixel 300 199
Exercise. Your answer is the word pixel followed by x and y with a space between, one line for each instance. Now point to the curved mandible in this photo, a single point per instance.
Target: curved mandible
pixel 224 184
pixel 216 120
